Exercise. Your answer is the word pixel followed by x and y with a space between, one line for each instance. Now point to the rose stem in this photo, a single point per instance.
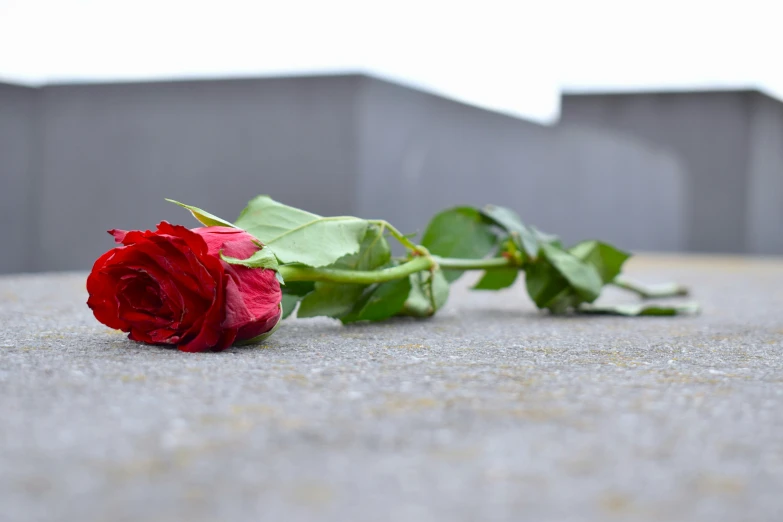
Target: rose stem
pixel 366 277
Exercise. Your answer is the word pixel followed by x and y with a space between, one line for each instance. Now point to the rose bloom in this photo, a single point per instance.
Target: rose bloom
pixel 170 287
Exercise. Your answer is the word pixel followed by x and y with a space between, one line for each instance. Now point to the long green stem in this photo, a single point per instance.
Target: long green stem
pixel 473 264
pixel 367 277
pixel 362 277
pixel 650 291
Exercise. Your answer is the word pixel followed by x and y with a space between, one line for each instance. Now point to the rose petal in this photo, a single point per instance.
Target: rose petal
pixel 119 235
pixel 258 327
pixel 210 335
pixel 102 296
pixel 218 238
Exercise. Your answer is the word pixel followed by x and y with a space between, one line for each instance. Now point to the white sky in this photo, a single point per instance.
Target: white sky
pixel 512 56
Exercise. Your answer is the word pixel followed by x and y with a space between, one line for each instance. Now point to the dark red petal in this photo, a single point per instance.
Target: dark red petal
pixel 174 258
pixel 141 292
pixel 212 333
pixel 102 299
pixel 193 240
pixel 227 338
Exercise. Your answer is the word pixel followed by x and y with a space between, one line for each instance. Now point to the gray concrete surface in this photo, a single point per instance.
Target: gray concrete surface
pixel 489 411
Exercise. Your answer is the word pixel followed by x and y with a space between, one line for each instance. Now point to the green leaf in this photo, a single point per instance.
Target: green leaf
pixel 546 286
pixel 524 238
pixel 293 293
pixel 335 299
pixel 330 300
pixel 634 310
pixel 543 237
pixel 374 252
pixel 559 281
pixel 429 293
pixel 459 232
pixel 263 258
pixel 204 217
pixel 379 302
pixel 297 236
pixel 583 278
pixel 439 289
pixel 607 259
pixel 298 288
pixel 289 303
pixel 497 279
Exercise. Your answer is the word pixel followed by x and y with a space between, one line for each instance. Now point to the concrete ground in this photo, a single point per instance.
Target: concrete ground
pixel 490 411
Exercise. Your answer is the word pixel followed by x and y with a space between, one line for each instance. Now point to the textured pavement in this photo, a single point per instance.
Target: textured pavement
pixel 488 412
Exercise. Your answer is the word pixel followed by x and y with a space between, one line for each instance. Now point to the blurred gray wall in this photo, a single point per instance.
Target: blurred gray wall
pixel 419 153
pixel 110 154
pixel 730 145
pixel 76 160
pixel 18 177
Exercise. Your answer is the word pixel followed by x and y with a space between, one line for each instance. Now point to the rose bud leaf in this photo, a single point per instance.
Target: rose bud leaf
pixel 203 216
pixel 263 258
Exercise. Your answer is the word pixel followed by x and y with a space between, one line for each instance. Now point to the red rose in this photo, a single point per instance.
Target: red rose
pixel 171 287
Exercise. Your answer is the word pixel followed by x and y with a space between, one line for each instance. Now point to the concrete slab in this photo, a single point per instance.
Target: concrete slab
pixel 489 411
